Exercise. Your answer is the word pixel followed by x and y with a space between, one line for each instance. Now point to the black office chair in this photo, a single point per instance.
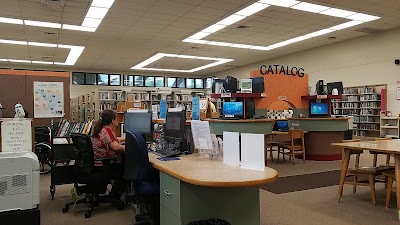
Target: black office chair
pixel 89 180
pixel 143 178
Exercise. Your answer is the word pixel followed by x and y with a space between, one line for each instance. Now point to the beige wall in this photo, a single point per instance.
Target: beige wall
pixel 362 61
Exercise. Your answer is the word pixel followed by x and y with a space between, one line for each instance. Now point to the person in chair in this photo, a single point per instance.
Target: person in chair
pixel 106 145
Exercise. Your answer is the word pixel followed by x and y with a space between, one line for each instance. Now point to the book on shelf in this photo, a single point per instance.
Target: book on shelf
pixel 66 128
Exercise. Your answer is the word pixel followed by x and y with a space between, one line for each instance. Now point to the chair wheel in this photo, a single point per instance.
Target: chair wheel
pixel 65 209
pixel 88 214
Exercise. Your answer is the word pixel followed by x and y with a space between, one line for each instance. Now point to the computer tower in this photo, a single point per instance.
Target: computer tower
pixel 319 87
pixel 250 110
pixel 258 84
pixel 230 84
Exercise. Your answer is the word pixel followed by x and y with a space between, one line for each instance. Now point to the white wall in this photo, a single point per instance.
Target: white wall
pixel 366 60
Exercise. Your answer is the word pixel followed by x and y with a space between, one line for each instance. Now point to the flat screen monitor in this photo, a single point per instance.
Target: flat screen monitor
pixel 282 125
pixel 140 121
pixel 337 85
pixel 319 109
pixel 232 109
pixel 175 125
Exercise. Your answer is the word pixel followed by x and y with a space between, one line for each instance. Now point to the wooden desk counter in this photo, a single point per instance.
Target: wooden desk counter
pixel 202 171
pixel 197 188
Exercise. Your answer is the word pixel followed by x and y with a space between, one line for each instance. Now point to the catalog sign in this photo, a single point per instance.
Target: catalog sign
pixel 281 70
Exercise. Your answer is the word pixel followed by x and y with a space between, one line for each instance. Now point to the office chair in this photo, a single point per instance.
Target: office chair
pixel 88 179
pixel 144 179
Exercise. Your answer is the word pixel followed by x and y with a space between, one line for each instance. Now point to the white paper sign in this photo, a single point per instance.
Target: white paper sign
pixel 252 151
pixel 231 148
pixel 16 136
pixel 48 99
pixel 201 135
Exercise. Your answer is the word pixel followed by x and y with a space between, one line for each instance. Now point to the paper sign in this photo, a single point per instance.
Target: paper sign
pixel 163 109
pixel 252 151
pixel 201 135
pixel 48 99
pixel 231 151
pixel 16 136
pixel 226 95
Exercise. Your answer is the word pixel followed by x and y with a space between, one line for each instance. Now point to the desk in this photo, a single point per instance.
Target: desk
pixel 389 147
pixel 196 188
pixel 253 126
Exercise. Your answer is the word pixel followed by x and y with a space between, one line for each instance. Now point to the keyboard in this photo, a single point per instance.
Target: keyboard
pixel 167 153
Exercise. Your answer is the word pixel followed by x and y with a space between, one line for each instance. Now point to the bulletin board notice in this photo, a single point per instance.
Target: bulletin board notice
pixel 16 135
pixel 48 99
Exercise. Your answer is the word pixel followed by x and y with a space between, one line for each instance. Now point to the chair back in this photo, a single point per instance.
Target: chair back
pixel 383 139
pixel 84 161
pixel 296 137
pixel 136 157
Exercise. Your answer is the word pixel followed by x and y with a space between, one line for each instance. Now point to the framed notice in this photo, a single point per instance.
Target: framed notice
pixel 48 99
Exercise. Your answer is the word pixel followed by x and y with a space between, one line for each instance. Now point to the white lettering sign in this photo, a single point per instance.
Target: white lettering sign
pixel 16 136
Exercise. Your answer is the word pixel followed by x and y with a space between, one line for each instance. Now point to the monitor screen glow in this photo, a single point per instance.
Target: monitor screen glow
pixel 319 109
pixel 232 109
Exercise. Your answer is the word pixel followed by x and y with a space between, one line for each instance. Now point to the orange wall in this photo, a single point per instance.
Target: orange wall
pixel 293 87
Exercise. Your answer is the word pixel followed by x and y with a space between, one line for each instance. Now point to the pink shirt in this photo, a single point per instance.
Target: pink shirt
pixel 101 144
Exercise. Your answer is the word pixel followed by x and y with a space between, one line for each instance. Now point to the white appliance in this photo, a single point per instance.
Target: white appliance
pixel 19 181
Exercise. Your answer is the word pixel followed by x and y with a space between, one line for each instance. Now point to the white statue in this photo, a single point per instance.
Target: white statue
pixel 19 111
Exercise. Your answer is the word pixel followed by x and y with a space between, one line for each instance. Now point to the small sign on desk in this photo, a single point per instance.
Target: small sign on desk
pixel 226 95
pixel 16 135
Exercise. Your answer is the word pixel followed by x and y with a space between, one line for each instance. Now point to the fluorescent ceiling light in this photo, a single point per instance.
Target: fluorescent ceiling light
pixel 217 43
pixel 79 28
pixel 231 20
pixel 213 28
pixel 19 61
pixel 241 46
pixel 337 12
pixel 280 44
pixel 91 22
pixel 345 25
pixel 309 7
pixel 195 41
pixel 159 56
pixel 297 39
pixel 74 55
pixel 42 44
pixel 252 9
pixel 362 17
pixel 42 24
pixel 43 62
pixel 320 32
pixel 13 42
pixel 98 13
pixel 3 60
pixel 199 35
pixel 263 48
pixel 102 3
pixel 11 21
pixel 282 3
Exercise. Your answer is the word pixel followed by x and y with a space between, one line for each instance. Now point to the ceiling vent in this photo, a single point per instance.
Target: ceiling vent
pixel 54 2
pixel 369 30
pixel 50 35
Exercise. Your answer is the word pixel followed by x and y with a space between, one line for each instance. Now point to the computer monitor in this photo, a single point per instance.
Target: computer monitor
pixel 140 121
pixel 258 84
pixel 281 125
pixel 250 109
pixel 230 84
pixel 319 87
pixel 337 85
pixel 175 125
pixel 232 109
pixel 319 109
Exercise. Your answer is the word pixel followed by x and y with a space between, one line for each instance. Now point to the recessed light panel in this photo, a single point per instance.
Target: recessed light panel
pixel 252 9
pixel 338 12
pixel 309 7
pixel 11 21
pixel 42 24
pixel 281 3
pixel 362 17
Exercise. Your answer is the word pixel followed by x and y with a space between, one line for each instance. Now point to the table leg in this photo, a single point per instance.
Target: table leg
pixel 343 172
pixel 397 166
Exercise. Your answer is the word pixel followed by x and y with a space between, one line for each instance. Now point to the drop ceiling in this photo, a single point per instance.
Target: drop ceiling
pixel 135 30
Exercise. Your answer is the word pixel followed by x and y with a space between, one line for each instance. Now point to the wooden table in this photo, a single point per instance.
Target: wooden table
pixel 195 188
pixel 388 147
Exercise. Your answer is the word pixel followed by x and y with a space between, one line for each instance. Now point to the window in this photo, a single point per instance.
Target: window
pixel 189 83
pixel 91 79
pixel 199 83
pixel 209 82
pixel 115 80
pixel 149 81
pixel 160 81
pixel 180 82
pixel 102 79
pixel 78 78
pixel 139 82
pixel 128 80
pixel 171 82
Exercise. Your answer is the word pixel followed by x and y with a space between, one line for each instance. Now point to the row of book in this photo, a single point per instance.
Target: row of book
pixel 66 128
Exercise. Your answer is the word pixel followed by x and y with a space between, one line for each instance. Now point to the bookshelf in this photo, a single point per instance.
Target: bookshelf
pixel 366 104
pixel 390 127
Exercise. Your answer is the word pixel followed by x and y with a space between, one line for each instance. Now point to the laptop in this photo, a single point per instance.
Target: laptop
pixel 281 125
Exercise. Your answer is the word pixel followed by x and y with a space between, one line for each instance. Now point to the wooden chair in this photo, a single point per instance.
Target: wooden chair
pixel 390 177
pixel 370 172
pixel 356 164
pixel 295 145
pixel 378 153
pixel 269 147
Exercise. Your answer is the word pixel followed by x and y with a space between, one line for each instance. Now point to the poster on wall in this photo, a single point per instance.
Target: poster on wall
pixel 48 99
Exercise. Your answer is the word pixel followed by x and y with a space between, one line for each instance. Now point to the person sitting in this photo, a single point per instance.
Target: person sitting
pixel 106 145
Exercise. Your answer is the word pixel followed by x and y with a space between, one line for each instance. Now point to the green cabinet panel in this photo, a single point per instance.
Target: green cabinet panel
pixel 168 218
pixel 249 127
pixel 319 125
pixel 170 193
